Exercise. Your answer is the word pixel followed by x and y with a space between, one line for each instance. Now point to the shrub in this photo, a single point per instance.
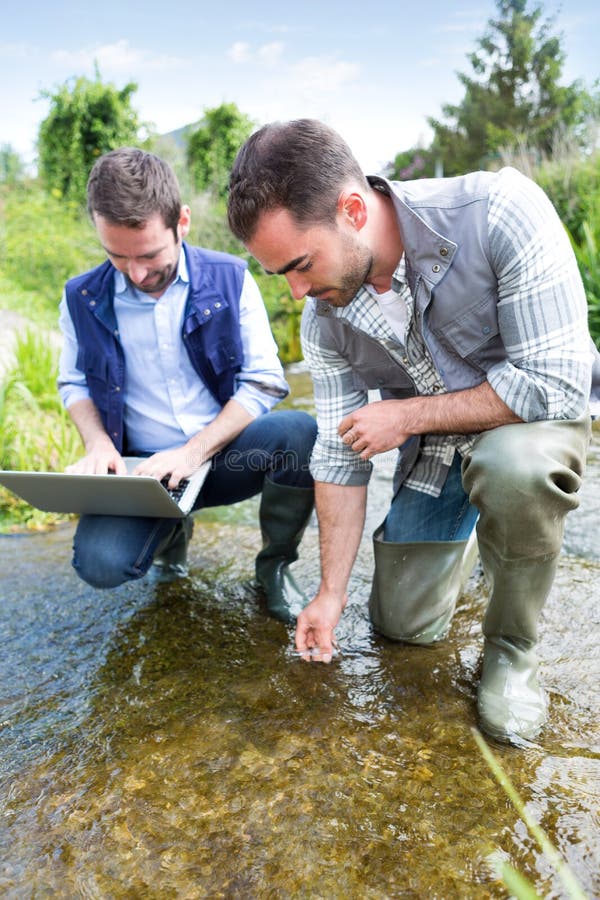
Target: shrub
pixel 44 242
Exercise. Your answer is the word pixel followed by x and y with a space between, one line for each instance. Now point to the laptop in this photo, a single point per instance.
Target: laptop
pixel 106 495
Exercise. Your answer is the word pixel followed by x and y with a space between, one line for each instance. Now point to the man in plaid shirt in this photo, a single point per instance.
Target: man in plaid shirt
pixel 459 300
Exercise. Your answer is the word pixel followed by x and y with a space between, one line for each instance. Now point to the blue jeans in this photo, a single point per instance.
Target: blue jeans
pixel 414 516
pixel 109 550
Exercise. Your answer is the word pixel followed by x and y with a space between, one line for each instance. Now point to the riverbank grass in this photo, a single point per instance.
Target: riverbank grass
pixel 35 431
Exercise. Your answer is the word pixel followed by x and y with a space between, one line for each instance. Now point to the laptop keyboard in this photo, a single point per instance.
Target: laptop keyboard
pixel 175 493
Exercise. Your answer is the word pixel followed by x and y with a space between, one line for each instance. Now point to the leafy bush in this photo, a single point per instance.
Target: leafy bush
pixel 575 191
pixel 43 242
pixel 573 184
pixel 87 118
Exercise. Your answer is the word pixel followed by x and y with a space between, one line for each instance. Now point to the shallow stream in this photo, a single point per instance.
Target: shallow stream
pixel 165 742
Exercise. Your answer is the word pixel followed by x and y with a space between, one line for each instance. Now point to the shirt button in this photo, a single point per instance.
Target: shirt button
pixel 207 312
pixel 435 268
pixel 84 292
pixel 92 302
pixel 217 305
pixel 443 251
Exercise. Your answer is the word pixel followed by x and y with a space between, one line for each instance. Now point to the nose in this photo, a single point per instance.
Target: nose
pixel 299 286
pixel 136 271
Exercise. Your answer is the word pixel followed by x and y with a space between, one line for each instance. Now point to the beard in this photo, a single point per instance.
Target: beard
pixel 158 281
pixel 357 264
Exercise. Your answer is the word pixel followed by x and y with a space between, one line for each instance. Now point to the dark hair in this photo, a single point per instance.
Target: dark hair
pixel 128 186
pixel 300 165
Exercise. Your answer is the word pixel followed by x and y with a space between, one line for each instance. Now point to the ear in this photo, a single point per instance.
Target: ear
pixel 185 219
pixel 352 209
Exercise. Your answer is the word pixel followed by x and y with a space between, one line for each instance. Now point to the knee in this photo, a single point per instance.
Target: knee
pixel 513 471
pixel 101 570
pixel 496 475
pixel 300 431
pixel 293 439
pixel 96 572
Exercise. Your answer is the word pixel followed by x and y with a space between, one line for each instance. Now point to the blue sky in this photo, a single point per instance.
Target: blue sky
pixel 375 71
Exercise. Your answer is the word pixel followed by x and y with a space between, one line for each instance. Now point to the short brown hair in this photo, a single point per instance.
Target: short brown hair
pixel 300 166
pixel 128 186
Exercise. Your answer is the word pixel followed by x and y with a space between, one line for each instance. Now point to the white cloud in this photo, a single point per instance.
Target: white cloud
pixel 116 58
pixel 239 52
pixel 322 74
pixel 267 54
pixel 270 54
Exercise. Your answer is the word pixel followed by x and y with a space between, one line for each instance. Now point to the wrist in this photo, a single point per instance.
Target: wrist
pixel 99 442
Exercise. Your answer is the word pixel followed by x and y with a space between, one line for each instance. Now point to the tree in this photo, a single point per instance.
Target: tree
pixel 86 119
pixel 417 162
pixel 213 146
pixel 513 96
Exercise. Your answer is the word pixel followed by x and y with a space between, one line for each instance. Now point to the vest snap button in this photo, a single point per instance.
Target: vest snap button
pixel 217 305
pixel 443 251
pixel 207 312
pixel 435 268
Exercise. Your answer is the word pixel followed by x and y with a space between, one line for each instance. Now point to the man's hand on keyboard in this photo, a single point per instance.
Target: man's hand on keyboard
pixel 178 463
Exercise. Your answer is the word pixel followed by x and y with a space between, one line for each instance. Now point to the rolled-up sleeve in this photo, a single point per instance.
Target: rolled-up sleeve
pixel 71 382
pixel 260 384
pixel 335 396
pixel 542 308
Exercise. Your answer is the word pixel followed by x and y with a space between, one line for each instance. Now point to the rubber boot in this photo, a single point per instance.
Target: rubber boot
pixel 511 702
pixel 284 514
pixel 171 559
pixel 416 586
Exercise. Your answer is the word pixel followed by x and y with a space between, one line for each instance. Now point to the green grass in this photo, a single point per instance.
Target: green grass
pixel 35 431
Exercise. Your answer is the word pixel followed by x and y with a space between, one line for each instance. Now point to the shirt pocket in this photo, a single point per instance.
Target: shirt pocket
pixel 472 329
pixel 382 376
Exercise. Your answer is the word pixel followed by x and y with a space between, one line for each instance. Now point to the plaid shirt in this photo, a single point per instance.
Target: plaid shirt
pixel 547 344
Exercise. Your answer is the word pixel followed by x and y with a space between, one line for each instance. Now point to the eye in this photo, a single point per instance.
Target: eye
pixel 305 268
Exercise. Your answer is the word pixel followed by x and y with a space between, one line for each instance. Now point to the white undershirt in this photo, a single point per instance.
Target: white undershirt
pixel 393 308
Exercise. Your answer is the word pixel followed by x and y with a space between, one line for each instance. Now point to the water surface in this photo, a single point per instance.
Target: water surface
pixel 164 741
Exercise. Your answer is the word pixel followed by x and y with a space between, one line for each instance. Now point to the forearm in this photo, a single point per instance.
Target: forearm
pixel 387 424
pixel 341 515
pixel 462 412
pixel 101 454
pixel 180 462
pixel 86 419
pixel 230 422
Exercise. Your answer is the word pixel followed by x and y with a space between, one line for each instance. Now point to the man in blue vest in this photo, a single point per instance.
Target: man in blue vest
pixel 168 356
pixel 459 300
